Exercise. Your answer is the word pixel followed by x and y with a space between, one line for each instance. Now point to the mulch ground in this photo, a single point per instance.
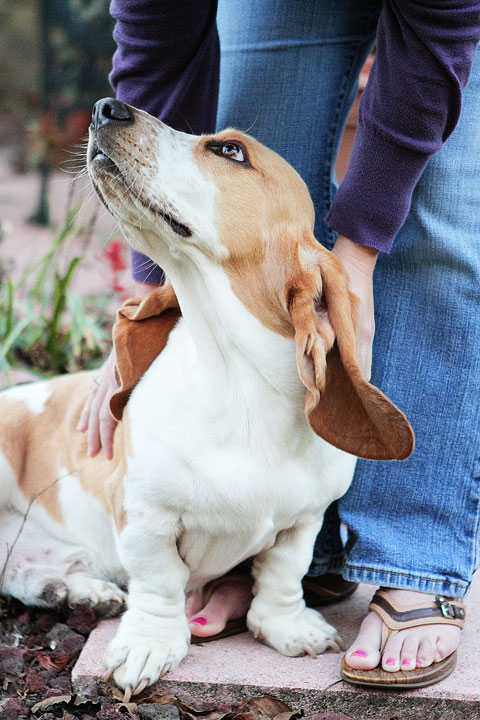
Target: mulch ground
pixel 38 649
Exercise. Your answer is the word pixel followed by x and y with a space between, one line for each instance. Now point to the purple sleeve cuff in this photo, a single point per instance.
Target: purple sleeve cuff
pixel 167 63
pixel 373 201
pixel 145 270
pixel 410 106
pixel 167 60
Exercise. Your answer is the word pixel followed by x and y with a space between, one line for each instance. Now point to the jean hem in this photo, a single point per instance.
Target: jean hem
pixel 332 565
pixel 406 581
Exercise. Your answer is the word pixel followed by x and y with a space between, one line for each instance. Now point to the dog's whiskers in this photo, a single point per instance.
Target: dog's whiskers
pixel 84 204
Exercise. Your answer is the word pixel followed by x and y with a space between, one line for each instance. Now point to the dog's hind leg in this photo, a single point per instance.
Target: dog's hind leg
pixel 103 596
pixel 29 570
pixel 40 570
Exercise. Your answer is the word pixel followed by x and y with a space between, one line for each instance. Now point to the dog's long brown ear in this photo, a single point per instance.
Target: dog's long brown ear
pixel 340 405
pixel 139 335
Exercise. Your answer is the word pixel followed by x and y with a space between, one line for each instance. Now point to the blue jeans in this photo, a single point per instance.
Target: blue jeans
pixel 289 74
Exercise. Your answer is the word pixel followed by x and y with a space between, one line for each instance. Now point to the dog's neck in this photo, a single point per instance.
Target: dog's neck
pixel 248 372
pixel 229 340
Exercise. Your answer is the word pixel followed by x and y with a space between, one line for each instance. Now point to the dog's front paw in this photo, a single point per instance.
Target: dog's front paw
pixel 144 649
pixel 305 632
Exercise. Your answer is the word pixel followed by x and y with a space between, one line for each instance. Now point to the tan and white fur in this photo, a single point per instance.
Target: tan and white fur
pixel 226 447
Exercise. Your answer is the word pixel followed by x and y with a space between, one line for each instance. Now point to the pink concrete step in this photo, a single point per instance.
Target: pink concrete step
pixel 223 673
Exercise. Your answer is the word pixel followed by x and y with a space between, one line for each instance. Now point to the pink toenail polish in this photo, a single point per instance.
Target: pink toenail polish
pixel 390 661
pixel 419 662
pixel 199 620
pixel 405 662
pixel 362 653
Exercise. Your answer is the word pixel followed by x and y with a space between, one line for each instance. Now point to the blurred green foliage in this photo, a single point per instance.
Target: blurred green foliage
pixel 47 328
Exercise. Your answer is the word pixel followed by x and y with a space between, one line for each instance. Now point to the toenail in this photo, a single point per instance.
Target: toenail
pixel 405 662
pixel 360 652
pixel 390 661
pixel 199 620
pixel 419 662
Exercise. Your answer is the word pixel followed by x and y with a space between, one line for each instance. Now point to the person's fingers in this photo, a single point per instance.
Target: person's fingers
pixel 101 425
pixel 96 419
pixel 359 263
pixel 368 362
pixel 107 422
pixel 93 431
pixel 107 425
pixel 362 287
pixel 83 421
pixel 366 333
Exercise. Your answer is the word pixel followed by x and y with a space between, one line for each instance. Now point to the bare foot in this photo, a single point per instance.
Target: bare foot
pixel 416 647
pixel 229 601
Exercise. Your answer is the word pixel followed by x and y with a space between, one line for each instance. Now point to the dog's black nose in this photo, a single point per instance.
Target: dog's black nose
pixel 110 110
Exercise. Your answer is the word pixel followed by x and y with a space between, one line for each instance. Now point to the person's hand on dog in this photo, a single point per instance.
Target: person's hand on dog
pixel 359 264
pixel 96 418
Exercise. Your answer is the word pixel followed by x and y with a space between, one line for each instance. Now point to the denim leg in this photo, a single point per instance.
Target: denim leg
pixel 288 75
pixel 329 550
pixel 414 524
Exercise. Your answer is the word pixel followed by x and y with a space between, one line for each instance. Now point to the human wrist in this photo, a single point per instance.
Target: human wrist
pixel 362 257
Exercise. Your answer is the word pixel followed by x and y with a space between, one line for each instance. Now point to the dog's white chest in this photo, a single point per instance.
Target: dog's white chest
pixel 240 521
pixel 231 497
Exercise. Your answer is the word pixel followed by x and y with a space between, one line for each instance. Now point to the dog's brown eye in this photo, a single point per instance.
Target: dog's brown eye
pixel 230 150
pixel 233 151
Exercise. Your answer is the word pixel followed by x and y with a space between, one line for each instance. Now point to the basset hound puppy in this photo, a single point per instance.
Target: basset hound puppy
pixel 241 401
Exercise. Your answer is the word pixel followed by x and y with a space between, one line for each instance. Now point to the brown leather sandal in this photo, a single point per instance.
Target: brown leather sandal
pixel 398 617
pixel 326 589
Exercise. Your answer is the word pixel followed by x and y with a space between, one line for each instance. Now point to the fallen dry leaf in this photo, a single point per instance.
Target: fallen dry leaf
pixel 163 699
pixel 130 707
pixel 257 708
pixel 48 702
pixel 335 716
pixel 267 706
pixel 187 712
pixel 290 715
pixel 54 661
pixel 213 715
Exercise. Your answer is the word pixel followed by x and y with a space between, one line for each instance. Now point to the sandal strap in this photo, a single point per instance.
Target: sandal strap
pixel 398 617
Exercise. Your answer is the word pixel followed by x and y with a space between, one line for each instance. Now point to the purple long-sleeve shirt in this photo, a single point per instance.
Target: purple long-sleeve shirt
pixel 167 63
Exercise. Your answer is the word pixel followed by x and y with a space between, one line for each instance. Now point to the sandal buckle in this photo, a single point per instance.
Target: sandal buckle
pixel 447 609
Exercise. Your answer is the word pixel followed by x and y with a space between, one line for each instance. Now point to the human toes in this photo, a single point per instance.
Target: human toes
pixel 364 653
pixel 426 652
pixel 362 656
pixel 391 657
pixel 229 601
pixel 193 603
pixel 409 652
pixel 447 643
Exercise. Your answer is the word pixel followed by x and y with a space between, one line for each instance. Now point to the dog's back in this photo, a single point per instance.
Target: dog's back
pixel 34 421
pixel 57 505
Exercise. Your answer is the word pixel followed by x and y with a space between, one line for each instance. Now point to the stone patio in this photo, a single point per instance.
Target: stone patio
pixel 223 673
